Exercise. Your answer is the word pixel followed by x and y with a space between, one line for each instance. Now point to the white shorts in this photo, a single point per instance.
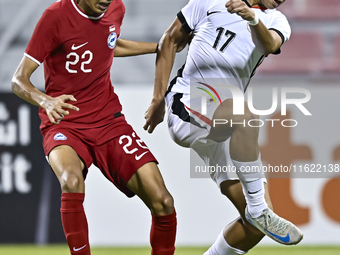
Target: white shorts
pixel 189 129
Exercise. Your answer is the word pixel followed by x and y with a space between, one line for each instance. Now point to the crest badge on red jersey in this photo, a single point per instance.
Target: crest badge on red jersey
pixel 112 40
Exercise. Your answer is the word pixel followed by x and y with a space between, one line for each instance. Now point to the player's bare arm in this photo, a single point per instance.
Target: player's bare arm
pixel 127 48
pixel 266 41
pixel 173 39
pixel 56 108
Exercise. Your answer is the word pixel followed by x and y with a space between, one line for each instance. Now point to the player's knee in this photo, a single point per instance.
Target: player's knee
pixel 71 183
pixel 251 116
pixel 163 204
pixel 246 123
pixel 246 117
pixel 168 202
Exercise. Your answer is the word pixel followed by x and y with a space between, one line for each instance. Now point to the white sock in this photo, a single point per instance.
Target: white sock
pixel 253 189
pixel 221 247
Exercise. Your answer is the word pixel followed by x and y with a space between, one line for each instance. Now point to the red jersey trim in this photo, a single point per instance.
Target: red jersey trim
pixel 261 8
pixel 256 7
pixel 83 14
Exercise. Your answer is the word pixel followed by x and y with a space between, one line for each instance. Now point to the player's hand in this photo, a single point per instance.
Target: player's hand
pixel 240 8
pixel 154 114
pixel 56 107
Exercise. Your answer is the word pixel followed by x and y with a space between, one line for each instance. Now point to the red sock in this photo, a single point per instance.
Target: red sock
pixel 163 234
pixel 75 223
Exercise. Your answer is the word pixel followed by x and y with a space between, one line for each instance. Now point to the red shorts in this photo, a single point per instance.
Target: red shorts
pixel 114 148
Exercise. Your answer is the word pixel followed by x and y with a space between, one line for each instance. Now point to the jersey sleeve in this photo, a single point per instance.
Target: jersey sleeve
pixel 192 14
pixel 45 38
pixel 280 24
pixel 122 14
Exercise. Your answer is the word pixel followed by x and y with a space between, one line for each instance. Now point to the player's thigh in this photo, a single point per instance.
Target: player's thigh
pixel 222 127
pixel 147 182
pixel 65 161
pixel 233 190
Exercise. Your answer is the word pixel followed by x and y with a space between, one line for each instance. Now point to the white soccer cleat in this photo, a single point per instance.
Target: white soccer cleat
pixel 277 228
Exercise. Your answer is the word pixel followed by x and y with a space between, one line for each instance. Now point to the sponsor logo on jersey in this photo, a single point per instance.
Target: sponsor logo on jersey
pixel 74 47
pixel 112 40
pixel 209 12
pixel 60 136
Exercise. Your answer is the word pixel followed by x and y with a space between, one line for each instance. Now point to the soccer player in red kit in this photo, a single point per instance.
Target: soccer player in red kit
pixel 81 119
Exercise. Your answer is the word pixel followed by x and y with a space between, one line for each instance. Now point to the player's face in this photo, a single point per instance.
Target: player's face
pixel 272 4
pixel 94 7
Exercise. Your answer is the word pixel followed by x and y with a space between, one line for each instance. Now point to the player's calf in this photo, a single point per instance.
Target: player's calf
pixel 75 223
pixel 164 224
pixel 163 234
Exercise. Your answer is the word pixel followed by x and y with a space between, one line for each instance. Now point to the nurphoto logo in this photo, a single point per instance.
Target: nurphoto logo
pixel 212 95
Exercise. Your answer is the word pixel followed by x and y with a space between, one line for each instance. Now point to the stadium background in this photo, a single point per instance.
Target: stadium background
pixel 29 193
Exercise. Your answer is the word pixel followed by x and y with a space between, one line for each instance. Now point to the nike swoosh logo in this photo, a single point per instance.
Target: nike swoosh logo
pixel 140 156
pixel 251 193
pixel 209 13
pixel 282 239
pixel 78 249
pixel 78 47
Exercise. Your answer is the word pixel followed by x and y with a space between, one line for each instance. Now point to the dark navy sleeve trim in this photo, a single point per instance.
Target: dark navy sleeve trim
pixel 185 25
pixel 282 38
pixel 248 4
pixel 279 33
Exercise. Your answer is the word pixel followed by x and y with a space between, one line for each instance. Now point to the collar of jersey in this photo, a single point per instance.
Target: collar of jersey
pixel 256 7
pixel 259 7
pixel 82 13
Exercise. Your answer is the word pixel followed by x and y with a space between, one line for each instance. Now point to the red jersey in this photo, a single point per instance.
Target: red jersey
pixel 77 51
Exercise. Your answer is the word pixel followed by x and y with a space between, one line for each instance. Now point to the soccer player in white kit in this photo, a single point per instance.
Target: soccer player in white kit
pixel 228 41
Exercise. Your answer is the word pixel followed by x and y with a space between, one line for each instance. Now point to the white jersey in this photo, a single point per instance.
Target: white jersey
pixel 222 46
